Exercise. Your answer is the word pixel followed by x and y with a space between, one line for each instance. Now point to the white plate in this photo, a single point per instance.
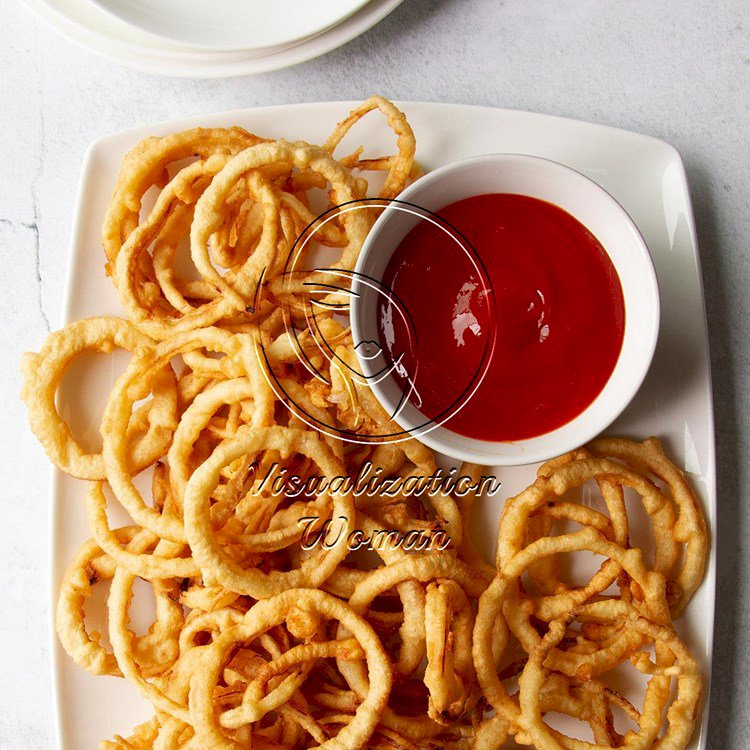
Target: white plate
pixel 90 26
pixel 232 24
pixel 644 174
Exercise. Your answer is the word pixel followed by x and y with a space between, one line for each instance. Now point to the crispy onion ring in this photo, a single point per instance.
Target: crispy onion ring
pixel 400 166
pixel 146 164
pixel 689 688
pixel 240 355
pixel 214 562
pixel 259 619
pixel 153 652
pixel 43 372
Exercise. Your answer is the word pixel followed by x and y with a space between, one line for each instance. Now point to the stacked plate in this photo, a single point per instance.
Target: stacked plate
pixel 212 39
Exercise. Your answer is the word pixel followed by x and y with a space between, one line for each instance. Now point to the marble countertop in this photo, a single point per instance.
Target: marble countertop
pixel 676 69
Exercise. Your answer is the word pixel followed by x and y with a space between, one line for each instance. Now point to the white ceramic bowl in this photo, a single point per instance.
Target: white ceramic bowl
pixel 596 210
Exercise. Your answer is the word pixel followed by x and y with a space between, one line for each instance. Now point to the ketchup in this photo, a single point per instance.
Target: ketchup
pixel 554 306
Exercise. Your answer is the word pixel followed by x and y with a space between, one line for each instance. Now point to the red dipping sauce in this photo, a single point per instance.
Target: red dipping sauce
pixel 555 307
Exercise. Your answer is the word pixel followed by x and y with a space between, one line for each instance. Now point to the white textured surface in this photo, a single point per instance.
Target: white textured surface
pixel 677 69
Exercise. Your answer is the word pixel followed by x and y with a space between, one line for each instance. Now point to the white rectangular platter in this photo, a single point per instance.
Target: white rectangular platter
pixel 644 174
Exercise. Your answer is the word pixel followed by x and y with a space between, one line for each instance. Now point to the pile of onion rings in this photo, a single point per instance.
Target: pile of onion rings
pixel 260 640
pixel 542 644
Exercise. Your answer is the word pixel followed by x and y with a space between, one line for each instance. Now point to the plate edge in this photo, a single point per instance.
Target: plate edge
pixel 405 103
pixel 74 251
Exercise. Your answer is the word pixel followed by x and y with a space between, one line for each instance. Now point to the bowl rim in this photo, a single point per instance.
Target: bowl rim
pixel 460 447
